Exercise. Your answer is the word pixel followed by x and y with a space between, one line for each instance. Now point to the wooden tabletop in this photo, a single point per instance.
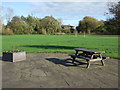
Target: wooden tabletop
pixel 89 50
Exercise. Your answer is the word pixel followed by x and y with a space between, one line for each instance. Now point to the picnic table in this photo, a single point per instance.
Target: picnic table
pixel 89 55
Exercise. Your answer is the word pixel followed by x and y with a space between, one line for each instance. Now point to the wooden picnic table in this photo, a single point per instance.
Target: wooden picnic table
pixel 89 55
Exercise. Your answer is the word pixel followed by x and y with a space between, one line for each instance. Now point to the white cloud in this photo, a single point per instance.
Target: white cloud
pixel 70 10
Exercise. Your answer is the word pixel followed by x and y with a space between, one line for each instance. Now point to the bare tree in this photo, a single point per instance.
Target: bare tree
pixel 113 23
pixel 7 13
pixel 0 20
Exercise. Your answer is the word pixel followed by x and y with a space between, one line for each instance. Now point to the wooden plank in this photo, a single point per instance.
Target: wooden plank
pixel 76 56
pixel 92 60
pixel 89 50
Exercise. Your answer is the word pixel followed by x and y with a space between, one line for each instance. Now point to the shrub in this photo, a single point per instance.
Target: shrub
pixel 7 31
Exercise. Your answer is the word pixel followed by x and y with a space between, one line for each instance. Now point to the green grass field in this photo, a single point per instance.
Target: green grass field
pixel 62 43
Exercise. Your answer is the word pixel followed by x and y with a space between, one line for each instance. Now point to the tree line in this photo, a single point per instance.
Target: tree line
pixel 32 25
pixel 51 25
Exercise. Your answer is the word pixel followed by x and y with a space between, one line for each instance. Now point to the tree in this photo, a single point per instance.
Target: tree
pixel 38 27
pixel 24 18
pixel 33 25
pixel 18 26
pixel 31 21
pixel 101 30
pixel 88 24
pixel 115 10
pixel 50 25
pixel 7 31
pixel 113 24
pixel 7 13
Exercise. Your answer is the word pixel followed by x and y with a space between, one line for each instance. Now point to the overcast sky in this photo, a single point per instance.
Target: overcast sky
pixel 69 12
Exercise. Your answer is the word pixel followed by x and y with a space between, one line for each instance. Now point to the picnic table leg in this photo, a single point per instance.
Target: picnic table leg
pixel 76 52
pixel 88 64
pixel 73 59
pixel 102 61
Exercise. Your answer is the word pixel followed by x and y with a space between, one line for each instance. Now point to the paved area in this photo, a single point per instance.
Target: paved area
pixel 55 70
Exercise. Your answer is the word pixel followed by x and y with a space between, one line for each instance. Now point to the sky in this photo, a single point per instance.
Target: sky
pixel 70 12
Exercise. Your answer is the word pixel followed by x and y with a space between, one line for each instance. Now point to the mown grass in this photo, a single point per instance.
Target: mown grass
pixel 62 43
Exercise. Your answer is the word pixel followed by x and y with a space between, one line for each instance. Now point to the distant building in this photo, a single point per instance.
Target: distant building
pixel 67 27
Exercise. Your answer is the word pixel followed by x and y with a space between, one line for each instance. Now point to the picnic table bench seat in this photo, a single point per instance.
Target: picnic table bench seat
pixel 87 57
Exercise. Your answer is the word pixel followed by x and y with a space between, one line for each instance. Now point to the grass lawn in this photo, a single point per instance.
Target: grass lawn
pixel 62 43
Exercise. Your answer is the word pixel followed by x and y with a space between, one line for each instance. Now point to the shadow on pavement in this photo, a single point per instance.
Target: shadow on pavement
pixel 65 62
pixel 0 58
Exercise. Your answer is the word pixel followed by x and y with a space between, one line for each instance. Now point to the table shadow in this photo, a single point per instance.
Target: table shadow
pixel 66 62
pixel 0 58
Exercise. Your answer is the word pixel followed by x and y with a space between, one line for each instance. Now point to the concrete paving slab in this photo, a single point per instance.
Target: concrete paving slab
pixel 55 70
